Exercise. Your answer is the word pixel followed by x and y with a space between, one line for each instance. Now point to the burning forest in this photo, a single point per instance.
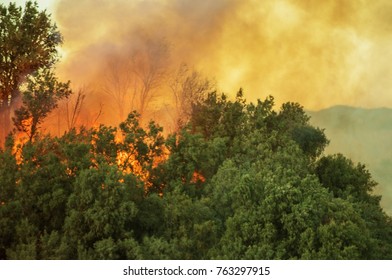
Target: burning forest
pixel 117 142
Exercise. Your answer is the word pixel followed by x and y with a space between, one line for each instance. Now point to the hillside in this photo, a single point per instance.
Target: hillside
pixel 364 135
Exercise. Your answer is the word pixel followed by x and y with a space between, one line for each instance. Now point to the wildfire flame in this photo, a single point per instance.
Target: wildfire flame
pixel 197 178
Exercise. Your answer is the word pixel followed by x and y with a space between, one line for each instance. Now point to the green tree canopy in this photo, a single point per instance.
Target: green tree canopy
pixel 28 42
pixel 40 97
pixel 238 181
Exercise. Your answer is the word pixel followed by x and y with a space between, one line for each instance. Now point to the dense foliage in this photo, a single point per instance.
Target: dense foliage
pixel 240 181
pixel 29 89
pixel 28 42
pixel 237 181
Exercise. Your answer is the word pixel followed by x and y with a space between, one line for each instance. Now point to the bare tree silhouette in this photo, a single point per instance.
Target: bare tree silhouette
pixel 150 66
pixel 118 83
pixel 187 86
pixel 73 107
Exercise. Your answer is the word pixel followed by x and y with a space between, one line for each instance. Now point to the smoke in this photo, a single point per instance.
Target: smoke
pixel 363 135
pixel 318 53
pixel 125 52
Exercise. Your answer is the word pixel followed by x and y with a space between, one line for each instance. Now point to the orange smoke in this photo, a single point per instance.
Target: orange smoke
pixel 318 53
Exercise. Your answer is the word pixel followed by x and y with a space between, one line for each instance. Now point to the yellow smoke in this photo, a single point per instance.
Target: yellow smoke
pixel 318 53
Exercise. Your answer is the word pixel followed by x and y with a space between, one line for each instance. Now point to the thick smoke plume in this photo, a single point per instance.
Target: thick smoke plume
pixel 319 53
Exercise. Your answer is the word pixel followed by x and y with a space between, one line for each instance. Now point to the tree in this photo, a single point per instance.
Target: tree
pixel 353 182
pixel 207 113
pixel 188 87
pixel 100 216
pixel 37 210
pixel 252 187
pixel 73 109
pixel 150 67
pixel 41 96
pixel 132 77
pixel 344 179
pixel 28 42
pixel 118 83
pixel 8 208
pixel 311 140
pixel 272 209
pixel 140 150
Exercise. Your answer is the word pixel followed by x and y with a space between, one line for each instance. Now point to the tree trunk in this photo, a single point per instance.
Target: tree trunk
pixel 5 123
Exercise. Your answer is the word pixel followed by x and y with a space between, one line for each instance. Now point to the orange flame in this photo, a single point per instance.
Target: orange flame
pixel 197 178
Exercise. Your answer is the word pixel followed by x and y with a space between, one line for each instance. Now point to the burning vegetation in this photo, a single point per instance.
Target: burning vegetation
pixel 231 179
pixel 130 192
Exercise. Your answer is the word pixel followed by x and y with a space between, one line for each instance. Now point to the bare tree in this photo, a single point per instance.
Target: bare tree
pixel 131 80
pixel 117 84
pixel 73 107
pixel 188 87
pixel 150 67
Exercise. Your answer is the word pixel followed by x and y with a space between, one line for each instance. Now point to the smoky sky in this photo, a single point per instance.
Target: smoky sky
pixel 318 53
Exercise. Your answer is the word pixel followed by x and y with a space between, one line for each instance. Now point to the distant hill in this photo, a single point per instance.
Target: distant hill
pixel 364 135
